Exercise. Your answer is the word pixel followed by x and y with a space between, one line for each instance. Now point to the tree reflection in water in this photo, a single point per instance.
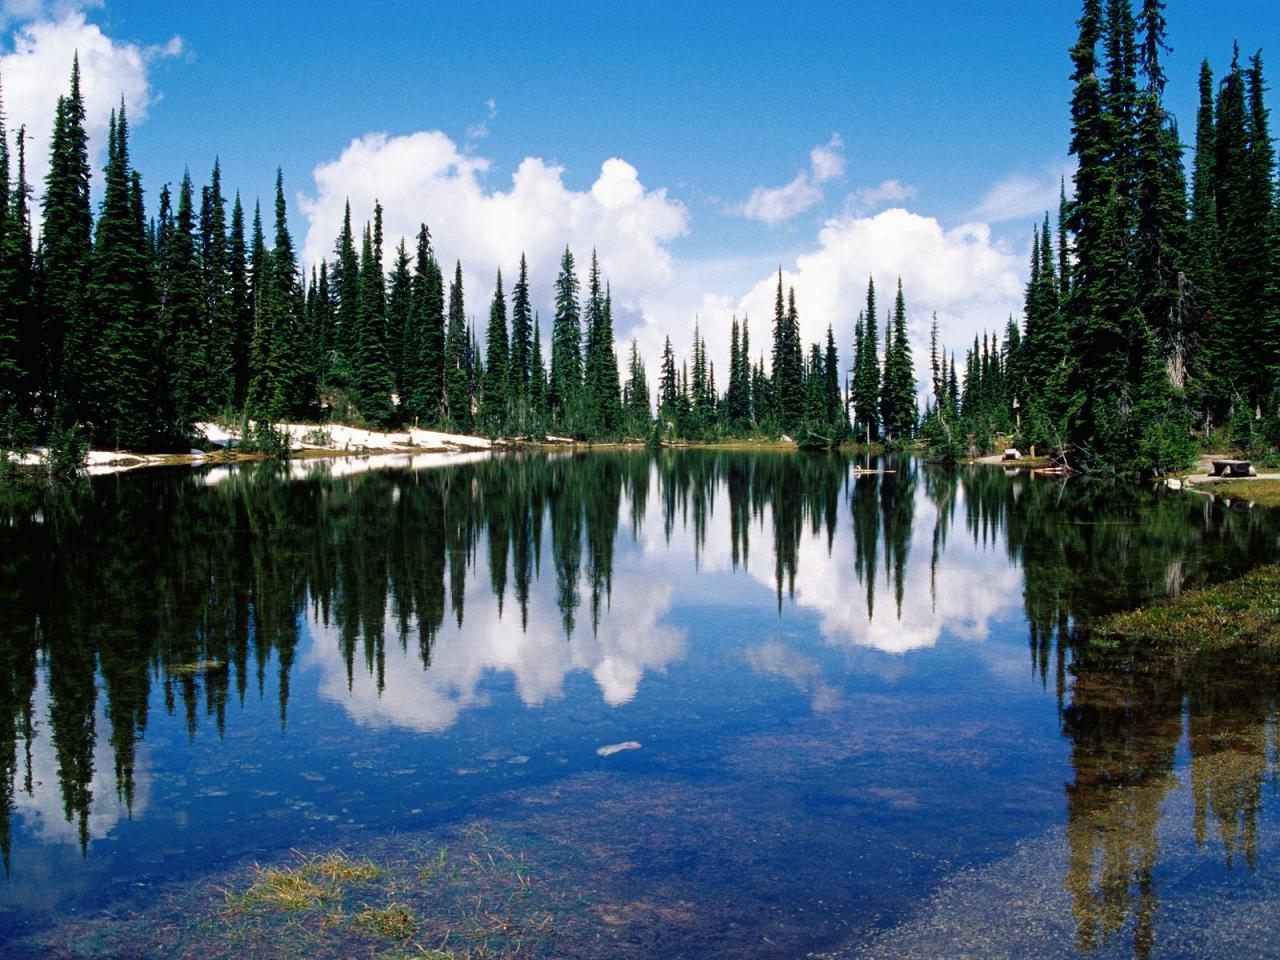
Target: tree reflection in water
pixel 198 584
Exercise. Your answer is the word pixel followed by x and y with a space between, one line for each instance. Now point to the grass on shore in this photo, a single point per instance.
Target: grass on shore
pixel 1239 614
pixel 1265 493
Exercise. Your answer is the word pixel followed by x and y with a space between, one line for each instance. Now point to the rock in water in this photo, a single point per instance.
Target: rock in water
pixel 612 748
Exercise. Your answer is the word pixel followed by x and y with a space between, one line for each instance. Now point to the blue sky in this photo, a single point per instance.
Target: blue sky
pixel 952 113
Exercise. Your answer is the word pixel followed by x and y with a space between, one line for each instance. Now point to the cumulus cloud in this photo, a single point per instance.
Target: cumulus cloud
pixel 773 205
pixel 37 68
pixel 1020 196
pixel 424 176
pixel 972 282
pixel 16 11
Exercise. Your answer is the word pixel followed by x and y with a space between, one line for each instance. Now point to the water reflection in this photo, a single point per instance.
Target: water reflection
pixel 406 589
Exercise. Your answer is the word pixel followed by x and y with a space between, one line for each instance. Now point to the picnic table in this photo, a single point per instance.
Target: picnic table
pixel 1232 468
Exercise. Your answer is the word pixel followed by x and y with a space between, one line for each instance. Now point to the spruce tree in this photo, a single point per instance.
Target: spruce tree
pixel 457 390
pixel 866 373
pixel 372 378
pixel 601 391
pixel 258 393
pixel 1205 265
pixel 537 378
pixel 833 394
pixel 400 334
pixel 241 305
pixel 120 305
pixel 521 345
pixel 345 280
pixel 218 320
pixel 495 408
pixel 292 390
pixel 788 362
pixel 1238 238
pixel 566 339
pixel 668 386
pixel 424 351
pixel 635 396
pixel 1263 280
pixel 898 409
pixel 20 354
pixel 184 311
pixel 66 249
pixel 1161 232
pixel 608 391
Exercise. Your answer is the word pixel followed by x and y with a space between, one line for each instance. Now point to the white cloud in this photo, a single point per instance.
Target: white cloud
pixel 37 70
pixel 631 641
pixel 424 176
pixel 869 199
pixel 962 274
pixel 773 205
pixel 827 160
pixel 17 11
pixel 1019 195
pixel 972 586
pixel 42 810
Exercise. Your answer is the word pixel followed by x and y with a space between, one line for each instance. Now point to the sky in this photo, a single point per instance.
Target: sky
pixel 700 148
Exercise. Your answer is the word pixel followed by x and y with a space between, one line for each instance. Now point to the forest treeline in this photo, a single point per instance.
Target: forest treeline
pixel 1151 319
pixel 1152 312
pixel 126 329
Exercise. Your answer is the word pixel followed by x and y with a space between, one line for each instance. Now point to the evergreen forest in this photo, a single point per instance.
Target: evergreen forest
pixel 1151 325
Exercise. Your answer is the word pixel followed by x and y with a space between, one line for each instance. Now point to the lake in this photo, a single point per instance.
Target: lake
pixel 684 704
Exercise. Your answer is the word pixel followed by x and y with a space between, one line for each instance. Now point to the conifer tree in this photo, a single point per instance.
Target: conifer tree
pixel 183 313
pixel 20 353
pixel 521 344
pixel 425 354
pixel 494 410
pixel 566 341
pixel 1160 248
pixel 219 320
pixel 601 390
pixel 898 410
pixel 813 425
pixel 457 388
pixel 292 391
pixel 788 362
pixel 866 373
pixel 635 396
pixel 258 394
pixel 345 280
pixel 66 249
pixel 120 305
pixel 12 374
pixel 372 374
pixel 399 328
pixel 668 386
pixel 241 304
pixel 537 377
pixel 1205 266
pixel 1262 281
pixel 833 402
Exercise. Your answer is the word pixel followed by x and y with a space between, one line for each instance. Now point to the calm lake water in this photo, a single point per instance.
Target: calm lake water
pixel 698 704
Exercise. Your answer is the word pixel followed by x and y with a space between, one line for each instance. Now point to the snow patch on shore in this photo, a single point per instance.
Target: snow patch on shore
pixel 341 438
pixel 422 448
